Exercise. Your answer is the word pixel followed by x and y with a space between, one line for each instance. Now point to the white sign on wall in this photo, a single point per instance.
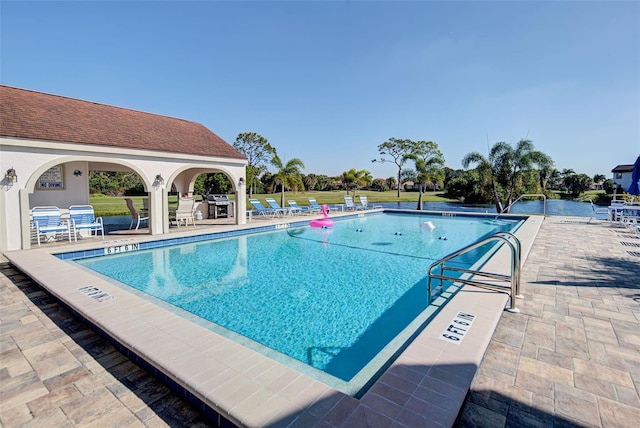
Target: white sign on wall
pixel 52 179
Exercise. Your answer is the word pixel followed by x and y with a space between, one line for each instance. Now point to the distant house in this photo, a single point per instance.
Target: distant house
pixel 622 176
pixel 409 185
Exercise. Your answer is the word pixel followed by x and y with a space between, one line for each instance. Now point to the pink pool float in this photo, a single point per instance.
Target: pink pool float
pixel 323 222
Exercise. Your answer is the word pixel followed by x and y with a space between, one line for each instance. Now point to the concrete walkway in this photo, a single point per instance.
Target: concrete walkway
pixel 571 358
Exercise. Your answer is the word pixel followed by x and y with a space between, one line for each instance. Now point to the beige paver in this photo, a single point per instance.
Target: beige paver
pixel 580 355
pixel 69 376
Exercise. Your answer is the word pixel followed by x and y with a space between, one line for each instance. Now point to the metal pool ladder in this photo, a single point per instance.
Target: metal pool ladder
pixel 544 206
pixel 467 274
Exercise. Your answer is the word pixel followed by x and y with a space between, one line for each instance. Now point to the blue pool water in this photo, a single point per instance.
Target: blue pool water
pixel 330 298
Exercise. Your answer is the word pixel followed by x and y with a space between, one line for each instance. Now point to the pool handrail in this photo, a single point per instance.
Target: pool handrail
pixel 514 277
pixel 544 205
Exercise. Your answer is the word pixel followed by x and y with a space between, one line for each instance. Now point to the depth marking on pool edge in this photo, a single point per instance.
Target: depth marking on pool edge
pixel 458 328
pixel 95 293
pixel 125 248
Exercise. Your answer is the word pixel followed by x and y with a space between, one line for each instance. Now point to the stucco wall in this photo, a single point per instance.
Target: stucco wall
pixel 75 192
pixel 32 158
pixel 624 181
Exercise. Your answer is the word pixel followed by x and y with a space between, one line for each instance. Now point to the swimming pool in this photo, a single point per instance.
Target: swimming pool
pixel 333 303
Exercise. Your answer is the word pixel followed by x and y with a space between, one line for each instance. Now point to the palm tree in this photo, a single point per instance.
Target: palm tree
pixel 354 179
pixel 505 168
pixel 288 175
pixel 523 161
pixel 429 163
pixel 310 181
pixel 391 182
pixel 566 174
pixel 555 178
pixel 485 174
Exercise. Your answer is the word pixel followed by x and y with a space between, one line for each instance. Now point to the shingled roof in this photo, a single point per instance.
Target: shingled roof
pixel 623 168
pixel 39 116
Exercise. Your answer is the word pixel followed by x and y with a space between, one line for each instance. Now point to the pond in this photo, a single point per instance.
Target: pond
pixel 555 207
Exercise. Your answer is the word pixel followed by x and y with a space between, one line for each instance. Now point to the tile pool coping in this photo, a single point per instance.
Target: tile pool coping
pixel 241 387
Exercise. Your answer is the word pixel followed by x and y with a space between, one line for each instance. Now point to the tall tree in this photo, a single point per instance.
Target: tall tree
pixel 398 150
pixel 546 173
pixel 555 178
pixel 216 182
pixel 429 162
pixel 310 181
pixel 408 175
pixel 578 183
pixel 505 169
pixel 288 175
pixel 380 184
pixel 258 151
pixel 598 178
pixel 354 179
pixel 565 174
pixel 391 182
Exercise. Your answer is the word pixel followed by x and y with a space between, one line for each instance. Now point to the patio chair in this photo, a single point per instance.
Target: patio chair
pixel 631 217
pixel 277 208
pixel 365 203
pixel 598 213
pixel 145 206
pixel 297 209
pixel 314 207
pixel 135 215
pixel 350 205
pixel 83 218
pixel 185 212
pixel 260 209
pixel 616 210
pixel 47 220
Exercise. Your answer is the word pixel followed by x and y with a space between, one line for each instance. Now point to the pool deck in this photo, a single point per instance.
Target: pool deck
pixel 570 358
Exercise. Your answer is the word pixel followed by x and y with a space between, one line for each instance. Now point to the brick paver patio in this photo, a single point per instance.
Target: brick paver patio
pixel 571 358
pixel 56 372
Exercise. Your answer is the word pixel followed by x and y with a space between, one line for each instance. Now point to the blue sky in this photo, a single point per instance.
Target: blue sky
pixel 327 82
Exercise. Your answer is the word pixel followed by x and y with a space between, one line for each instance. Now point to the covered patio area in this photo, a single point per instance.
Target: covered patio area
pixel 50 144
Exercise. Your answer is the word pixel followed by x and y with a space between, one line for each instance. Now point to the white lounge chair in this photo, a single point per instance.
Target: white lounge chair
pixel 47 220
pixel 350 205
pixel 83 218
pixel 365 203
pixel 185 212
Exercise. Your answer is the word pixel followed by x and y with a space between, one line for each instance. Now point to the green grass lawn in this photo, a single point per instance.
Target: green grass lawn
pixel 115 205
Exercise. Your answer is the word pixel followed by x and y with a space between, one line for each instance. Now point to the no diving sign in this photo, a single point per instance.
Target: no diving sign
pixel 457 328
